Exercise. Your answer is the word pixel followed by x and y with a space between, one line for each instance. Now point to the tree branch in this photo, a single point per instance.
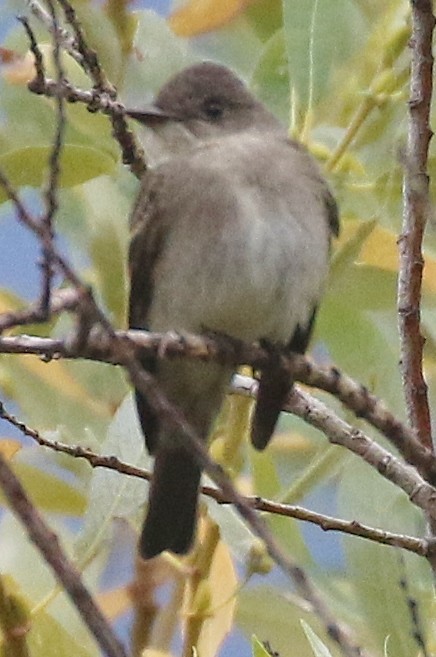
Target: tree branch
pixel 102 97
pixel 48 545
pixel 415 213
pixel 50 195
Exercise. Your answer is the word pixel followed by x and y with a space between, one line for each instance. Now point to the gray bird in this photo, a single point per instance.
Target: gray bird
pixel 231 233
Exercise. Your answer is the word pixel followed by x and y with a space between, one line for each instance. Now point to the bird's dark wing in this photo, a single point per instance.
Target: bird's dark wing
pixel 274 387
pixel 275 383
pixel 147 237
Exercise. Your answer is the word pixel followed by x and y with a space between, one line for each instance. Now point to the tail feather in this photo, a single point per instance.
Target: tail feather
pixel 172 507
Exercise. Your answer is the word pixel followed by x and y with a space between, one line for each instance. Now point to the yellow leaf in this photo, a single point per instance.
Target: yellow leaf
pixel 199 16
pixel 20 70
pixel 223 586
pixel 9 447
pixel 9 302
pixel 55 375
pixel 115 602
pixel 381 250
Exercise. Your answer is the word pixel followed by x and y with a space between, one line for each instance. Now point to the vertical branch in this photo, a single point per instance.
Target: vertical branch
pixel 51 191
pixel 415 210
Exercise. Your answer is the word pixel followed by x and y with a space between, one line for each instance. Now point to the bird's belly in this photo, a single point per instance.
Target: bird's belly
pixel 260 280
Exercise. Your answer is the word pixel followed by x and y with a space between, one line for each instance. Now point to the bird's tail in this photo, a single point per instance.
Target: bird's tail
pixel 172 506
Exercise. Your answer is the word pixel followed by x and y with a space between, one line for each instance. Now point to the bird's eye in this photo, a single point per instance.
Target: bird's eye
pixel 213 109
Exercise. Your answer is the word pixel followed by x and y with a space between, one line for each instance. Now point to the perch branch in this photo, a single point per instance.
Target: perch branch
pixel 226 350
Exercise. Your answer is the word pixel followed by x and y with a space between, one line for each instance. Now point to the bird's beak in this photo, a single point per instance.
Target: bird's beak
pixel 151 115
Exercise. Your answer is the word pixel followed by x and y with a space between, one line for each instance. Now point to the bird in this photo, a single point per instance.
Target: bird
pixel 230 233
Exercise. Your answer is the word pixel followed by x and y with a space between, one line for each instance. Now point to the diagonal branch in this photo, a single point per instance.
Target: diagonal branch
pixel 418 546
pixel 48 545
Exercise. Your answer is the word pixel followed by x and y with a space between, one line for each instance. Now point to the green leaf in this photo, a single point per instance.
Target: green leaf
pixel 112 494
pixel 266 17
pixel 319 648
pixel 47 637
pixel 258 648
pixel 157 54
pixel 48 491
pixel 106 205
pixel 270 79
pixel 275 615
pixel 311 32
pixel 24 565
pixel 361 342
pixel 29 165
pixel 51 396
pixel 384 580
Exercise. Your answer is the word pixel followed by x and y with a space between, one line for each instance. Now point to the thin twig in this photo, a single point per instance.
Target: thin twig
pixel 419 546
pixel 48 545
pixel 415 213
pixel 51 192
pixel 131 152
pixel 101 98
pixel 90 61
pixel 62 35
pixel 65 299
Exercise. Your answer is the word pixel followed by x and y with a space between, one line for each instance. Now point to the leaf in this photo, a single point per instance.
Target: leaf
pixel 311 30
pixel 157 54
pixel 274 615
pixel 9 447
pixel 364 343
pixel 198 16
pixel 384 580
pixel 47 637
pixel 270 79
pixel 104 204
pixel 51 396
pixel 354 234
pixel 29 165
pixel 258 648
pixel 319 648
pixel 222 583
pixel 47 491
pixel 114 495
pixel 266 17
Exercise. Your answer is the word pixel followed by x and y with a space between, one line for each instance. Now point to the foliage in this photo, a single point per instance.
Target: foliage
pixel 331 69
